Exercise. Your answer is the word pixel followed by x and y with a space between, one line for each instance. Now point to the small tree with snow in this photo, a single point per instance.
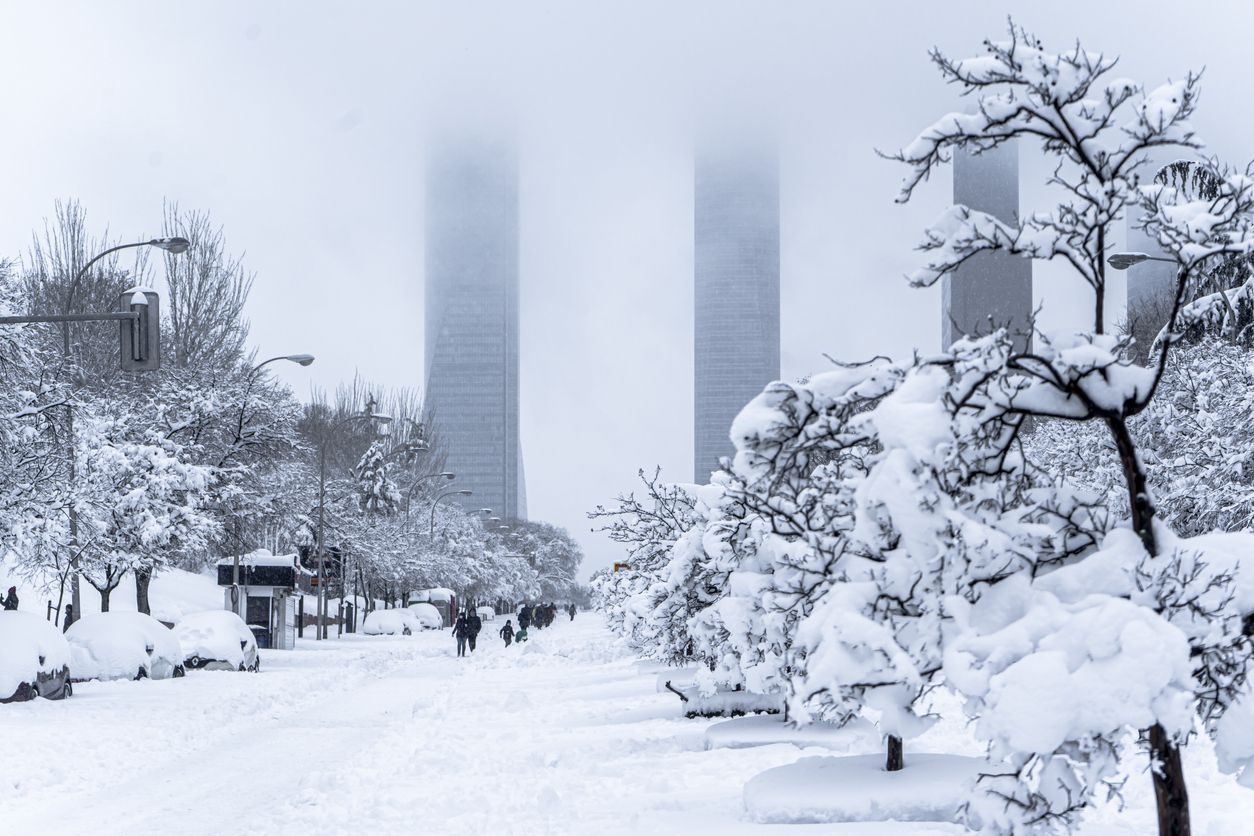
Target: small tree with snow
pixel 1099 129
pixel 139 502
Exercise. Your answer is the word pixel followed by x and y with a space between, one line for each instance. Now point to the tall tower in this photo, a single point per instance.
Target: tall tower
pixel 472 318
pixel 736 267
pixel 992 289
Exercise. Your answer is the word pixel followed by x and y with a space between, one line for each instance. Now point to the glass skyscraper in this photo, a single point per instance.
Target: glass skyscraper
pixel 472 319
pixel 736 283
pixel 990 290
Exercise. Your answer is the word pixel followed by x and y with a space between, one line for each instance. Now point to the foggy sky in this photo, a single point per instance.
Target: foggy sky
pixel 300 126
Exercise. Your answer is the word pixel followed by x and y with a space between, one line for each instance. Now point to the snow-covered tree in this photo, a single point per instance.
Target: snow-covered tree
pixel 138 502
pixel 377 494
pixel 1098 129
pixel 648 530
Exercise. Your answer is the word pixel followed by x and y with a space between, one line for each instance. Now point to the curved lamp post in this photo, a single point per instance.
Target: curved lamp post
pixel 436 501
pixel 171 245
pixel 299 359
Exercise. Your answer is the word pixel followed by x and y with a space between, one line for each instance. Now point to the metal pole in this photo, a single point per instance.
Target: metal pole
pixel 322 552
pixel 75 594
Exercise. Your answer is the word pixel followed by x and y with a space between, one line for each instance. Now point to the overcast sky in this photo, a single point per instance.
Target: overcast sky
pixel 300 126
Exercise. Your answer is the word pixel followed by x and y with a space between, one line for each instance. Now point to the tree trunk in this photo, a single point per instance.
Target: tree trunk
pixel 143 577
pixel 895 760
pixel 1168 772
pixel 104 600
pixel 1169 790
pixel 1141 507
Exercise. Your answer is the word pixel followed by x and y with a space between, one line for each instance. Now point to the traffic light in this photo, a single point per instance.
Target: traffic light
pixel 141 336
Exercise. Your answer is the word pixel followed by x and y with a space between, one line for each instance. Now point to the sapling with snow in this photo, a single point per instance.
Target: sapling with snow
pixel 1098 129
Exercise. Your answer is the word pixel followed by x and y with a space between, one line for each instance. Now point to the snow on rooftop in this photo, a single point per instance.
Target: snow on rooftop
pixel 261 557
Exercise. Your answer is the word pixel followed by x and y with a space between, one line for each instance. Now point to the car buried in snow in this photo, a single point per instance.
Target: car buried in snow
pixel 217 640
pixel 34 659
pixel 428 616
pixel 123 645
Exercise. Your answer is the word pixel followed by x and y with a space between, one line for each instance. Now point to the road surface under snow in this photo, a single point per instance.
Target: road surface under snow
pixel 396 735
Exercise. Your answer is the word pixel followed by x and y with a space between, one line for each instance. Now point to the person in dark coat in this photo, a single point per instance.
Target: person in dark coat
pixel 475 624
pixel 507 632
pixel 10 600
pixel 572 610
pixel 524 617
pixel 461 630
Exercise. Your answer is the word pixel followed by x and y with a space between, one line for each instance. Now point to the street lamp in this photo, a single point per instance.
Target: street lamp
pixel 299 359
pixel 378 420
pixel 171 245
pixel 436 501
pixel 1122 261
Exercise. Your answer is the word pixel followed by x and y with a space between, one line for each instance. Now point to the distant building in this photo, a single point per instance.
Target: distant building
pixel 472 319
pixel 736 267
pixel 990 290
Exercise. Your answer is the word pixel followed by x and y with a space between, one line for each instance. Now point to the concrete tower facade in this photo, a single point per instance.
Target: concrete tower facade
pixel 736 272
pixel 993 289
pixel 472 319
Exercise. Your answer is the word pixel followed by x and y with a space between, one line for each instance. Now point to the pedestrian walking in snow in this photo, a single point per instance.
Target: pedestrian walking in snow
pixel 461 631
pixel 524 617
pixel 475 624
pixel 572 610
pixel 507 632
pixel 10 601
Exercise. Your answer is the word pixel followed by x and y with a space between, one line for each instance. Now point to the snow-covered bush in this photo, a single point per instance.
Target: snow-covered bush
pixel 649 530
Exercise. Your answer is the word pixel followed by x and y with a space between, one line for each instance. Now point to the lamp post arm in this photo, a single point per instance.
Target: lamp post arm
pixel 78 277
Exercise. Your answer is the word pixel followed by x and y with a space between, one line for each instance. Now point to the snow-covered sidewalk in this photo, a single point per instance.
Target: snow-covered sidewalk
pixel 565 734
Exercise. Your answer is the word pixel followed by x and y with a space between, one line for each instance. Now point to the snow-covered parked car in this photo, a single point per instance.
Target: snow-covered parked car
pixel 123 645
pixel 428 616
pixel 398 622
pixel 217 640
pixel 34 658
pixel 486 613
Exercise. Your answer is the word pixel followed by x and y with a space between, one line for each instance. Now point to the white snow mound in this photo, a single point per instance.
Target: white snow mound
pixel 858 788
pixel 397 622
pixel 118 645
pixel 29 646
pixel 215 634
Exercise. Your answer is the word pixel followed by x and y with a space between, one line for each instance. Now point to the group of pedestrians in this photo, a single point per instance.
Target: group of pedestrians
pixel 537 615
pixel 468 625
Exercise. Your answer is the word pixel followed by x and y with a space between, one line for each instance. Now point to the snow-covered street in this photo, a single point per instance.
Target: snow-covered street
pixel 563 735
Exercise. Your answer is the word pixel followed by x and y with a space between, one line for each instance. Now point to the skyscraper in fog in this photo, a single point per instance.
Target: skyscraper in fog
pixel 991 289
pixel 472 319
pixel 736 264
